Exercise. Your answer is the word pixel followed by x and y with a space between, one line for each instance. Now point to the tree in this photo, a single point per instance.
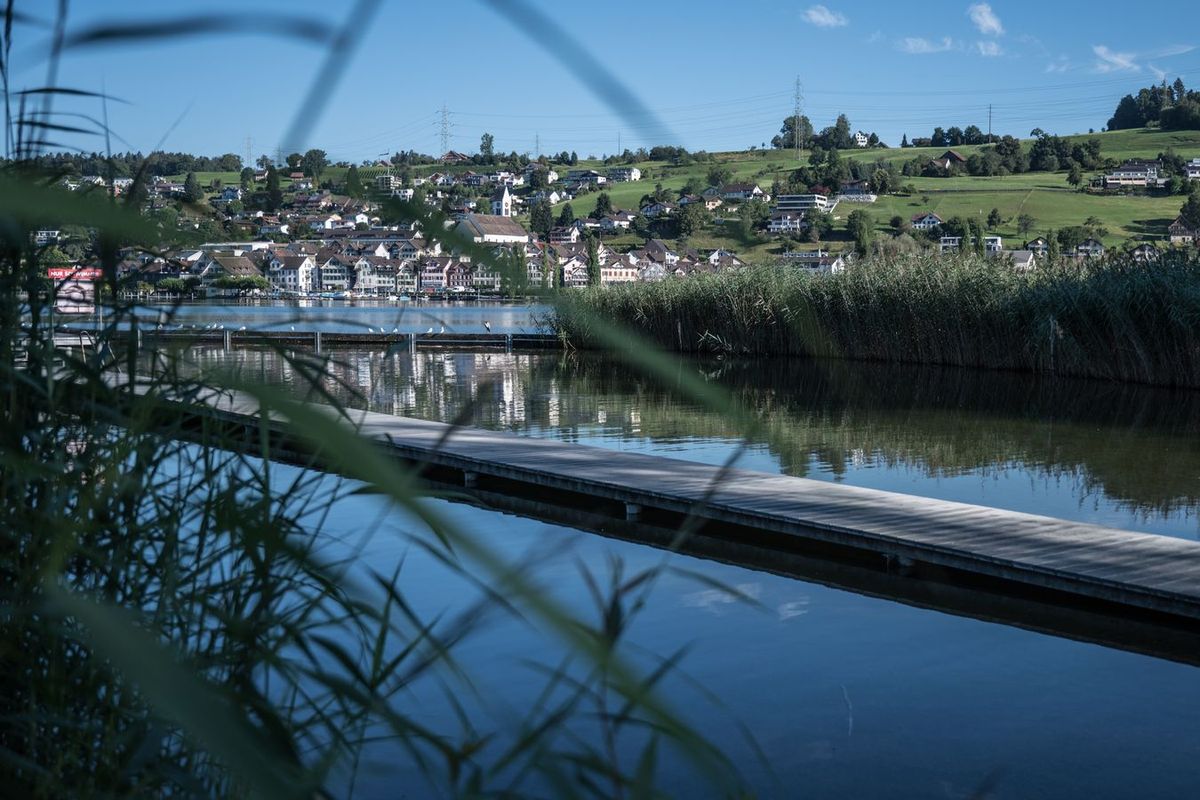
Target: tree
pixel 993 219
pixel 904 141
pixel 692 218
pixel 541 218
pixel 1191 209
pixel 265 162
pixel 274 193
pixel 246 177
pixel 566 216
pixel 787 133
pixel 939 138
pixel 719 175
pixel 487 152
pixel 314 163
pixel 354 184
pixel 192 193
pixel 860 226
pixel 603 206
pixel 1075 176
pixel 293 161
pixel 1025 223
pixel 593 262
pixel 574 158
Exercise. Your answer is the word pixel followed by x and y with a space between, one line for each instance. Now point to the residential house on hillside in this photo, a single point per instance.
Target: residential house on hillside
pixel 455 157
pixel 219 266
pixel 925 221
pixel 658 209
pixel 624 174
pixel 1145 253
pixel 586 177
pixel 617 221
pixel 742 191
pixel 1039 246
pixel 534 166
pixel 991 244
pixel 1090 248
pixel 1192 169
pixel 1022 260
pixel 948 160
pixel 659 251
pixel 564 235
pixel 786 222
pixel 1182 233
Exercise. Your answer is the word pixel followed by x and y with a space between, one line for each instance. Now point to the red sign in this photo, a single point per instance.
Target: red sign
pixel 75 273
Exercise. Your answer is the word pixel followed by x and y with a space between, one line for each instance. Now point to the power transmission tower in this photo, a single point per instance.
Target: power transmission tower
pixel 619 143
pixel 249 153
pixel 537 146
pixel 989 123
pixel 799 96
pixel 444 130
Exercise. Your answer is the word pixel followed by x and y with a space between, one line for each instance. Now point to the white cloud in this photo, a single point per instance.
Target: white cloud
pixel 1173 50
pixel 877 36
pixel 1159 74
pixel 985 19
pixel 1060 64
pixel 989 49
pixel 915 45
pixel 1110 61
pixel 822 17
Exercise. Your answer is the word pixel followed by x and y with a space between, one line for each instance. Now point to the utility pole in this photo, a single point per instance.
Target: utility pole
pixel 618 143
pixel 799 97
pixel 249 162
pixel 444 130
pixel 537 146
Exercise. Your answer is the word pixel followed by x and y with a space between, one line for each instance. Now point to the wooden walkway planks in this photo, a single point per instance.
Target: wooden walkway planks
pixel 1150 572
pixel 1138 572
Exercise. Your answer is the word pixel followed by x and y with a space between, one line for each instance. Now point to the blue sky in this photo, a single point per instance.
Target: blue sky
pixel 716 75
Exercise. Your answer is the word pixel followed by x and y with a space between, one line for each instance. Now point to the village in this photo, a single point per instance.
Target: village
pixel 321 241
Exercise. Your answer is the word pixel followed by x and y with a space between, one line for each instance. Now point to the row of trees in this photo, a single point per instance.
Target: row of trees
pixel 838 136
pixel 127 165
pixel 1171 108
pixel 951 137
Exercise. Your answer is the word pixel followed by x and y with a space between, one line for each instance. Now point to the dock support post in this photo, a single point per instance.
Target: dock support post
pixel 412 343
pixel 632 511
pixel 508 342
pixel 227 339
pixel 317 341
pixel 470 479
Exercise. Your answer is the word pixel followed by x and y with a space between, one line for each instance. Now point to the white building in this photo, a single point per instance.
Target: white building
pixel 624 174
pixel 801 202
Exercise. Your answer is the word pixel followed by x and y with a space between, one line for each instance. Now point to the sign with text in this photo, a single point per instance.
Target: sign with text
pixel 75 273
pixel 75 289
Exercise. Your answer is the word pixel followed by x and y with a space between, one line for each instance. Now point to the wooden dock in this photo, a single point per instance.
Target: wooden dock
pixel 1134 591
pixel 319 340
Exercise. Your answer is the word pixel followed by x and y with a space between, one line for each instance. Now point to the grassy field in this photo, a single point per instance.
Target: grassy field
pixel 1045 196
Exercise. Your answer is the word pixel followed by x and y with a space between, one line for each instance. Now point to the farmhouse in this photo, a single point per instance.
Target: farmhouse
pixel 1090 248
pixel 926 221
pixel 948 159
pixel 1181 233
pixel 742 191
pixel 1022 260
pixel 1145 253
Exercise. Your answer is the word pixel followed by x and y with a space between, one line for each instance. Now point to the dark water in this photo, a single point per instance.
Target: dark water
pixel 847 695
pixel 354 316
pixel 1118 455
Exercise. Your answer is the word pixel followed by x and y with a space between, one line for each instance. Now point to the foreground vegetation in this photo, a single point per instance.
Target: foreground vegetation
pixel 1115 320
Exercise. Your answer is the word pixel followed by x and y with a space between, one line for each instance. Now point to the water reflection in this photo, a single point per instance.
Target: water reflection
pixel 1120 455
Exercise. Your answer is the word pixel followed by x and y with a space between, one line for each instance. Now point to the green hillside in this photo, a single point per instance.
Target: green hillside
pixel 1047 197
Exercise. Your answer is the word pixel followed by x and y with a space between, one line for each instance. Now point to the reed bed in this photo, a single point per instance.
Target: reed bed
pixel 1115 320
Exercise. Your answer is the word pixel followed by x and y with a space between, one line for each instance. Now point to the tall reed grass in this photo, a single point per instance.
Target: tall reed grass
pixel 1115 320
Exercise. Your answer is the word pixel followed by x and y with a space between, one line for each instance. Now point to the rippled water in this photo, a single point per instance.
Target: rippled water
pixel 1117 455
pixel 847 695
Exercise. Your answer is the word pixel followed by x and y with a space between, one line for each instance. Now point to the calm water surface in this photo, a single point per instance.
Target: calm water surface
pixel 848 695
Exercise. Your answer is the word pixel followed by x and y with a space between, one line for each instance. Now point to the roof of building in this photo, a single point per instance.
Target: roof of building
pixel 491 225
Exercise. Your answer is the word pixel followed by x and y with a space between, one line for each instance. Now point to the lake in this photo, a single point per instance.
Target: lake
pixel 847 695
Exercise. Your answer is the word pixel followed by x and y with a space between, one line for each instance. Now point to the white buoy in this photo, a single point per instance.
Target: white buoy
pixel 487 326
